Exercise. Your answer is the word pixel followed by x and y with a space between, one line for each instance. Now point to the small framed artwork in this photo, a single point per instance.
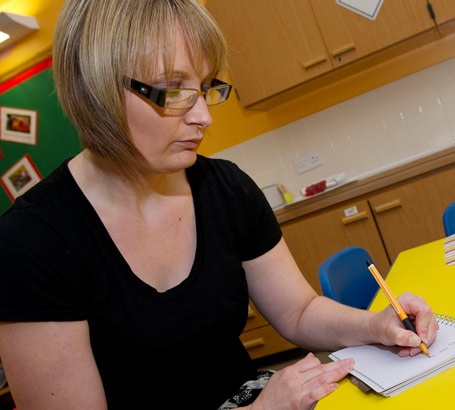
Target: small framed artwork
pixel 20 177
pixel 18 125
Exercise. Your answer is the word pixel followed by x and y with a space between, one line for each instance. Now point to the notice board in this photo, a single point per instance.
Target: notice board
pixel 56 137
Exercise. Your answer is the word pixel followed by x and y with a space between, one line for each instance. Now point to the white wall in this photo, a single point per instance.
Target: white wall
pixel 401 121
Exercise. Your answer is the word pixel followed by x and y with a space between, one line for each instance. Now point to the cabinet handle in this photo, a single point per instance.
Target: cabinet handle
pixel 389 205
pixel 314 62
pixel 354 218
pixel 342 50
pixel 254 343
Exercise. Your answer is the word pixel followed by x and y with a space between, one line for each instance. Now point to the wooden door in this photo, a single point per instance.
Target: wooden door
pixel 314 238
pixel 272 45
pixel 410 214
pixel 350 36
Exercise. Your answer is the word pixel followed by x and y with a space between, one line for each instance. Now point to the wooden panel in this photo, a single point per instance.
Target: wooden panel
pixel 444 10
pixel 410 214
pixel 350 36
pixel 273 45
pixel 264 341
pixel 314 238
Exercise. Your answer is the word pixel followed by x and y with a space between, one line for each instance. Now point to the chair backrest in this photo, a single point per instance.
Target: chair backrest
pixel 345 277
pixel 448 219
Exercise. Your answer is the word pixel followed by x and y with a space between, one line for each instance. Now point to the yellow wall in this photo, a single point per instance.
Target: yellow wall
pixel 231 123
pixel 36 46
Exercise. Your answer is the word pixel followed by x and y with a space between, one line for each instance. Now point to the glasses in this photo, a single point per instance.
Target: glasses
pixel 181 98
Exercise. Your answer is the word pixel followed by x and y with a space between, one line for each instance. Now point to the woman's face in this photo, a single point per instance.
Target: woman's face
pixel 168 138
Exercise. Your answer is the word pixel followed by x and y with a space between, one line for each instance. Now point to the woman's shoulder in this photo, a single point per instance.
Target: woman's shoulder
pixel 221 171
pixel 40 206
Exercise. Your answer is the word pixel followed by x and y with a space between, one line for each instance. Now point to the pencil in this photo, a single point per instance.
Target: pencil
pixel 398 309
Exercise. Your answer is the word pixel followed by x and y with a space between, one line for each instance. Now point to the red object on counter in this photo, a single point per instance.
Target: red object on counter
pixel 316 188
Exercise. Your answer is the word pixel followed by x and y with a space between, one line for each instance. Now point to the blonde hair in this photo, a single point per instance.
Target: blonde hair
pixel 98 42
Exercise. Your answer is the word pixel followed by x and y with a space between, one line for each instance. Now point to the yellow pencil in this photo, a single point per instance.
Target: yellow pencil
pixel 398 309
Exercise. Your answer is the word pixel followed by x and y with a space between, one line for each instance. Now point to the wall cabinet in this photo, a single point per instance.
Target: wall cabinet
pixel 277 45
pixel 272 45
pixel 444 10
pixel 349 36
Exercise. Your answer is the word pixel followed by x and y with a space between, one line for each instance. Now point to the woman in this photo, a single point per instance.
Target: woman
pixel 134 261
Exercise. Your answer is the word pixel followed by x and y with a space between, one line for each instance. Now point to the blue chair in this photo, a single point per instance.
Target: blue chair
pixel 448 219
pixel 345 277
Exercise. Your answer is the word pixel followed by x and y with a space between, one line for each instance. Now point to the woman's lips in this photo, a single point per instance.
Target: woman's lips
pixel 190 144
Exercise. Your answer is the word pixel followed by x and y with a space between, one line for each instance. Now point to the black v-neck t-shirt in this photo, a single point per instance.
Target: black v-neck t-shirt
pixel 154 350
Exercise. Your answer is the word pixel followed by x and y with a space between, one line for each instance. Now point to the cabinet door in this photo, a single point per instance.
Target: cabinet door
pixel 411 214
pixel 313 239
pixel 350 36
pixel 272 45
pixel 444 10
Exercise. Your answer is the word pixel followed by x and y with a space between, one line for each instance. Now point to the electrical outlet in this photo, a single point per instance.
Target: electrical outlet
pixel 307 161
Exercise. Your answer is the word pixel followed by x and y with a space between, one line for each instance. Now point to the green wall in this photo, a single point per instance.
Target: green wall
pixel 57 138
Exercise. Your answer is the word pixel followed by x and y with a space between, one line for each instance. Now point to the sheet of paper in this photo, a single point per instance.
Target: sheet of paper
pixel 381 368
pixel 366 8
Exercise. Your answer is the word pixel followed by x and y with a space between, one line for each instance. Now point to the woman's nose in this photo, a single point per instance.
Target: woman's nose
pixel 199 113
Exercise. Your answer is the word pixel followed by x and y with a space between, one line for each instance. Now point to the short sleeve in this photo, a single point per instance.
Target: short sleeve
pixel 41 279
pixel 262 231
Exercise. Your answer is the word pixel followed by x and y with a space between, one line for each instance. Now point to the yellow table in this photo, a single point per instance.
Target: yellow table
pixel 422 271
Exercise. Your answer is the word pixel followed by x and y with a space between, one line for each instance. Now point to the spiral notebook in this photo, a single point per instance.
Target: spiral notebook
pixel 388 374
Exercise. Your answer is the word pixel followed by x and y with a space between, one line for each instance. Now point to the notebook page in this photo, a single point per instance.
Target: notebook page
pixel 381 368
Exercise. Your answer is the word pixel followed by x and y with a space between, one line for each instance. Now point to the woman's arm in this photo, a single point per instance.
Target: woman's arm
pixel 286 299
pixel 50 366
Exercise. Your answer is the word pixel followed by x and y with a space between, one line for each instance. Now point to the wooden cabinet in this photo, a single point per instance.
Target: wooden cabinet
pixel 410 214
pixel 272 45
pixel 276 46
pixel 350 36
pixel 444 10
pixel 389 221
pixel 313 238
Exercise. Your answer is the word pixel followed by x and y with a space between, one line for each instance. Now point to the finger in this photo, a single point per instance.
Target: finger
pixel 324 382
pixel 308 362
pixel 410 351
pixel 425 322
pixel 327 373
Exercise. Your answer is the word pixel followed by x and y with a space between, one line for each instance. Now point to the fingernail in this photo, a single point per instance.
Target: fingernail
pixel 414 340
pixel 349 366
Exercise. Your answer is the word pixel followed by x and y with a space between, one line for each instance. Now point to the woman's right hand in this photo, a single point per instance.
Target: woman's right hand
pixel 298 386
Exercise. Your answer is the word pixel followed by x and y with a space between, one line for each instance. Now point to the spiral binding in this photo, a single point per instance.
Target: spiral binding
pixel 445 320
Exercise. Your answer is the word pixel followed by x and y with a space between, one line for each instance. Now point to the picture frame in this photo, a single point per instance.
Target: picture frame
pixel 18 125
pixel 20 177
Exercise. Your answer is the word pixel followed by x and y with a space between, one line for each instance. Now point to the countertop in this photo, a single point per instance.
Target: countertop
pixel 367 183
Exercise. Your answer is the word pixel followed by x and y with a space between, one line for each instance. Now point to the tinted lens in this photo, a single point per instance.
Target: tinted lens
pixel 186 98
pixel 216 95
pixel 180 99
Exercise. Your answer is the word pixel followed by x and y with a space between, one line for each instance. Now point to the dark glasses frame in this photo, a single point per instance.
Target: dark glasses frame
pixel 158 95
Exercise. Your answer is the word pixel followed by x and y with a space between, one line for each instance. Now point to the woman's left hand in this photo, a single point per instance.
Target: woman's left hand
pixel 390 329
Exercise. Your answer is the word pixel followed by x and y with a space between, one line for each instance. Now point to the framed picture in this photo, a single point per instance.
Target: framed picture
pixel 20 177
pixel 18 125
